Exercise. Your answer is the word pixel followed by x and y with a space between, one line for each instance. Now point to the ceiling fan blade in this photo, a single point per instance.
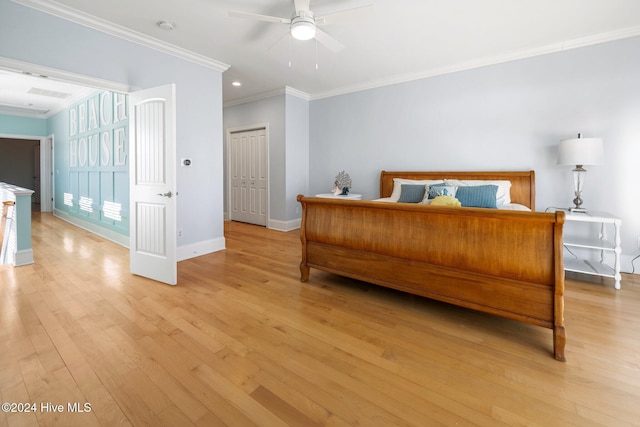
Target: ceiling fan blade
pixel 286 35
pixel 347 13
pixel 328 41
pixel 258 17
pixel 301 5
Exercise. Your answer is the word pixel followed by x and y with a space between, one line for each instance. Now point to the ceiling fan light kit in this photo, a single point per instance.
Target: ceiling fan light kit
pixel 304 24
pixel 303 28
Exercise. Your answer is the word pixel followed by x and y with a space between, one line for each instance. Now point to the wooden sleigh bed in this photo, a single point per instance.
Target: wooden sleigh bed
pixel 504 262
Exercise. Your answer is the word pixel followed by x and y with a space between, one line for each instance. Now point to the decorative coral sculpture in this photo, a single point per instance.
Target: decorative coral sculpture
pixel 342 184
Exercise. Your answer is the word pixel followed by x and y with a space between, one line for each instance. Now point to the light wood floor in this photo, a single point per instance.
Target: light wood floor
pixel 240 341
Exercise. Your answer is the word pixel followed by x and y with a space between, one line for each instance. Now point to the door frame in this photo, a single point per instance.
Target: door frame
pixel 43 157
pixel 47 167
pixel 227 176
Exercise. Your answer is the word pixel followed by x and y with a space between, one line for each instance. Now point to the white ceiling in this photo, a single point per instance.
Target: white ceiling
pixel 36 96
pixel 398 40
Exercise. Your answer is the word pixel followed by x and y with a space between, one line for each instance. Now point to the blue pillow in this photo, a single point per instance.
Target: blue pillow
pixel 478 196
pixel 411 193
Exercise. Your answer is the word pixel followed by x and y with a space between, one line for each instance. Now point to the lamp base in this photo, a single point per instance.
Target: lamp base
pixel 578 200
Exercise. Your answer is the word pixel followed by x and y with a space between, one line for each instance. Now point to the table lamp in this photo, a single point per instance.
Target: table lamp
pixel 579 152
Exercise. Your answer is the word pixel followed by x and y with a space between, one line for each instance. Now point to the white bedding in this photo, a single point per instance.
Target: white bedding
pixel 503 195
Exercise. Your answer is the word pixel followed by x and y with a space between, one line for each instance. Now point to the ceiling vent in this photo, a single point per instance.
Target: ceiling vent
pixel 47 92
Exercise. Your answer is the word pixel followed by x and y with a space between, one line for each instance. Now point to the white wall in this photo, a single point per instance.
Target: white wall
pixel 509 116
pixel 297 153
pixel 38 38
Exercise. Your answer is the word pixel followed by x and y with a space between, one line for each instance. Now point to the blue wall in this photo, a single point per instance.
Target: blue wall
pixel 38 38
pixel 91 150
pixel 508 116
pixel 24 126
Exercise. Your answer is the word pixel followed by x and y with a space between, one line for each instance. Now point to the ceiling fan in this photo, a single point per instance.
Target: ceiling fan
pixel 304 24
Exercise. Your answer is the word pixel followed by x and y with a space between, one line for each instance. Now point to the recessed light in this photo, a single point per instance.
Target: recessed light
pixel 236 84
pixel 166 25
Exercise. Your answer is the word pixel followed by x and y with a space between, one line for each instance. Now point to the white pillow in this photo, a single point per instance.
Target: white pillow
pixel 514 207
pixel 503 196
pixel 397 185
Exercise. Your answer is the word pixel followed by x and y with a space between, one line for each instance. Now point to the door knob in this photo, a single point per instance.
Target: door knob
pixel 167 194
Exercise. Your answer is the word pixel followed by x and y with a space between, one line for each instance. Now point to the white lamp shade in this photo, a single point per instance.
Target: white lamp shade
pixel 580 151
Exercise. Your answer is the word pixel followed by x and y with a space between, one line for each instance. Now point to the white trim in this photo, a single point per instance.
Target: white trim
pixel 46 173
pixel 297 93
pixel 284 225
pixel 252 98
pixel 102 25
pixel 14 110
pixel 64 76
pixel 91 84
pixel 264 95
pixel 492 60
pixel 200 248
pixel 23 257
pixel 68 102
pixel 43 158
pixel 247 128
pixel 31 137
pixel 93 228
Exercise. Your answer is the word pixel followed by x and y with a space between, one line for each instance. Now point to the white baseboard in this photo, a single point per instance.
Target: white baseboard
pixel 275 224
pixel 182 252
pixel 284 225
pixel 93 228
pixel 201 248
pixel 23 257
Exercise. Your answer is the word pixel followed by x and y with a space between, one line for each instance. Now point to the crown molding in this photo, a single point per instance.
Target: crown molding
pixel 253 98
pixel 297 93
pixel 68 102
pixel 492 60
pixel 23 111
pixel 17 66
pixel 264 95
pixel 61 11
pixel 92 84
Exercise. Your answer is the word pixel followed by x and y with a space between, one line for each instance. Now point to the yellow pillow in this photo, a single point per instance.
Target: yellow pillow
pixel 445 201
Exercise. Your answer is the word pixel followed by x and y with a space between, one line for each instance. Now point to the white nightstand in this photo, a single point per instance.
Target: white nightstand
pixel 350 196
pixel 598 243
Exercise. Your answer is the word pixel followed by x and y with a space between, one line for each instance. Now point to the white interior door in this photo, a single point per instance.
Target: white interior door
pixel 152 171
pixel 248 176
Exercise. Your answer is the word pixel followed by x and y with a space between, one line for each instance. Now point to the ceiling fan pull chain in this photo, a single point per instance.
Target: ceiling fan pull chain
pixel 316 54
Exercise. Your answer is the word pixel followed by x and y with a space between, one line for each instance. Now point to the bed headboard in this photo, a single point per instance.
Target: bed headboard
pixel 523 183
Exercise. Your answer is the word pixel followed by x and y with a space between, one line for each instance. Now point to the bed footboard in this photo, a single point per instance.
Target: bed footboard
pixel 506 263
